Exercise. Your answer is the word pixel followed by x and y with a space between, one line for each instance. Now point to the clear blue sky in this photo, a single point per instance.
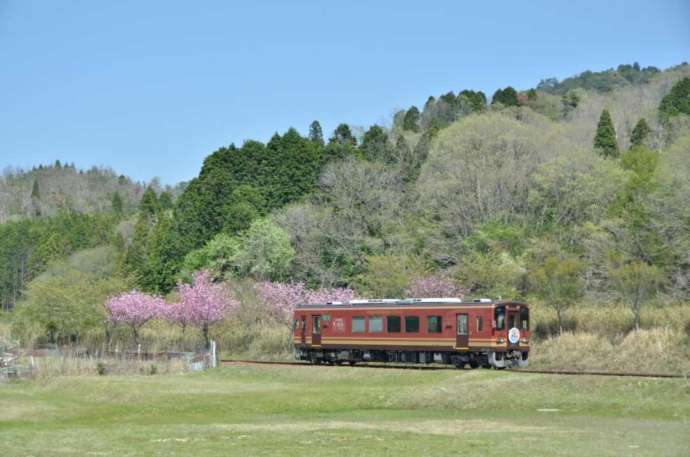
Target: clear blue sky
pixel 151 87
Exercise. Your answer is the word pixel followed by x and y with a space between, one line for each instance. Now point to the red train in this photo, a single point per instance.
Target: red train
pixel 442 330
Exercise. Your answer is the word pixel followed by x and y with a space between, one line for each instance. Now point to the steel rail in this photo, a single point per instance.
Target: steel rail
pixel 442 367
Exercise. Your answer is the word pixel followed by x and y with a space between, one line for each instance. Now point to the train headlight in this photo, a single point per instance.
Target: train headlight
pixel 524 340
pixel 501 340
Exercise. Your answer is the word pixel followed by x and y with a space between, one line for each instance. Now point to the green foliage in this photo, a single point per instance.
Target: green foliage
pixel 494 273
pixel 638 239
pixel 165 200
pixel 66 302
pixel 555 276
pixel 637 282
pixel 570 100
pixel 116 204
pixel 316 133
pixel 677 101
pixel 506 97
pixel 496 237
pixel 217 256
pixel 376 147
pixel 605 142
pixel 35 191
pixel 27 247
pixel 573 189
pixel 438 113
pixel 476 99
pixel 603 81
pixel 149 206
pixel 343 136
pixel 388 276
pixel 640 133
pixel 236 186
pixel 411 119
pixel 478 171
pixel 265 252
pixel 158 272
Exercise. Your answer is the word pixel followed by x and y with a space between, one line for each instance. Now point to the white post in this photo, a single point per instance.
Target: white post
pixel 213 354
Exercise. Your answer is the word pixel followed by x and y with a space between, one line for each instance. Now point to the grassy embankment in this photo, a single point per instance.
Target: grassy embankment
pixel 256 411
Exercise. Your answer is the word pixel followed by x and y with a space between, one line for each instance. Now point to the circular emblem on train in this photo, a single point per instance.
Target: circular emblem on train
pixel 514 335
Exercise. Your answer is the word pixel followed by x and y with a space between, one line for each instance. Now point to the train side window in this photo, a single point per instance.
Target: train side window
pixel 480 323
pixel 393 324
pixel 500 317
pixel 358 325
pixel 411 324
pixel 376 324
pixel 524 318
pixel 434 324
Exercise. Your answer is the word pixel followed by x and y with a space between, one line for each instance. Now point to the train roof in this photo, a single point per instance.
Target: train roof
pixel 409 302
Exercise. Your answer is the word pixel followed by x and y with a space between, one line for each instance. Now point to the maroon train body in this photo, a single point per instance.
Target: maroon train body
pixel 442 330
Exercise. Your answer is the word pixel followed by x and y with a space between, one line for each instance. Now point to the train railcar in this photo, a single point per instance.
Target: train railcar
pixel 435 330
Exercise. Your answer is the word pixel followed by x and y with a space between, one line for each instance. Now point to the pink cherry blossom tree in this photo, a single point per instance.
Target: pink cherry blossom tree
pixel 134 309
pixel 434 287
pixel 203 303
pixel 176 313
pixel 282 298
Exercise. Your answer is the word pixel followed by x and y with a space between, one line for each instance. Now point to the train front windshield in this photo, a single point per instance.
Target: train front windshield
pixel 500 317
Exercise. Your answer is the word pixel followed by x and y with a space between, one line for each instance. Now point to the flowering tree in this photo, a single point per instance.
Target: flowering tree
pixel 202 303
pixel 177 313
pixel 283 297
pixel 434 287
pixel 134 309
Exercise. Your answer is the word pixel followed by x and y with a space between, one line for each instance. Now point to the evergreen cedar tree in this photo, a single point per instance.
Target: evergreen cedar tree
pixel 677 101
pixel 343 135
pixel 605 138
pixel 116 204
pixel 639 133
pixel 316 133
pixel 376 147
pixel 411 120
pixel 149 206
pixel 477 99
pixel 35 191
pixel 506 97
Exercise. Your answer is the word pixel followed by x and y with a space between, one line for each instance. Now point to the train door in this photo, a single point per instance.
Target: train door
pixel 303 329
pixel 513 327
pixel 462 334
pixel 316 330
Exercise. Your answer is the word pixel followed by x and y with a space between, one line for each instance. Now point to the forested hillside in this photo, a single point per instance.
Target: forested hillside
pixel 51 211
pixel 570 194
pixel 47 189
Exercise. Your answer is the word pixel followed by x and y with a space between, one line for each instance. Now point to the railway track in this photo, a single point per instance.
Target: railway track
pixel 442 367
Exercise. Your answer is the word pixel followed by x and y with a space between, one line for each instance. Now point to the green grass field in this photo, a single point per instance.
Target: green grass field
pixel 323 411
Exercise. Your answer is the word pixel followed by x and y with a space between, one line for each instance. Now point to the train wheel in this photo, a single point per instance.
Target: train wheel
pixel 352 363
